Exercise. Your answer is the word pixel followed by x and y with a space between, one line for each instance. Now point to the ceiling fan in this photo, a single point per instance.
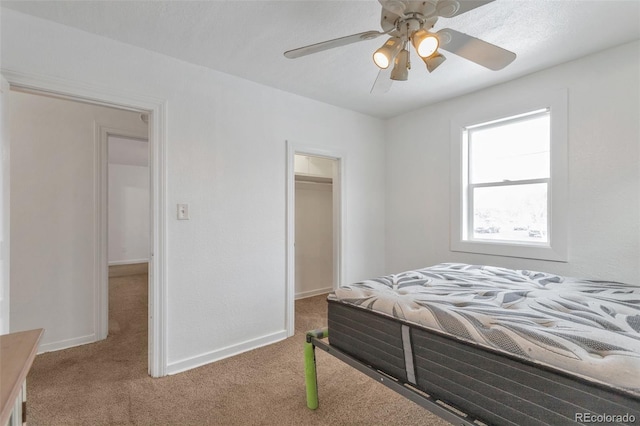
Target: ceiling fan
pixel 412 21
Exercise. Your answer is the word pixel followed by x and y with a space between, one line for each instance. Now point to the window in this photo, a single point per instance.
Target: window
pixel 509 182
pixel 507 179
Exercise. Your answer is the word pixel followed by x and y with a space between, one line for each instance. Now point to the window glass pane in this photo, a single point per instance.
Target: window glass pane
pixel 510 150
pixel 511 213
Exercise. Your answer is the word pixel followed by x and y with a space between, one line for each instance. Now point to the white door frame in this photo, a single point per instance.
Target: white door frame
pixel 5 189
pixel 339 221
pixel 156 108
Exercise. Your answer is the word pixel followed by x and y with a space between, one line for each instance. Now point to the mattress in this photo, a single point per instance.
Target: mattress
pixel 584 328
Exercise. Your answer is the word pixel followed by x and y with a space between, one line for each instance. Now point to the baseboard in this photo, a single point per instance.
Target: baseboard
pixel 66 344
pixel 200 360
pixel 127 262
pixel 128 269
pixel 311 293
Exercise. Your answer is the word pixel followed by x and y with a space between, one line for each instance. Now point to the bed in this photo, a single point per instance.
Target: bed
pixel 487 345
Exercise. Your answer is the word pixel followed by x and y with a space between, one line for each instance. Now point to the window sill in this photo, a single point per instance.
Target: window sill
pixel 510 249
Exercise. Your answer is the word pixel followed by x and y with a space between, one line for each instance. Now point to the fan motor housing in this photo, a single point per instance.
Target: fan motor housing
pixel 417 14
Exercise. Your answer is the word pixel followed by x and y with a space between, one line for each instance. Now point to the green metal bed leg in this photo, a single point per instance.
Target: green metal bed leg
pixel 310 374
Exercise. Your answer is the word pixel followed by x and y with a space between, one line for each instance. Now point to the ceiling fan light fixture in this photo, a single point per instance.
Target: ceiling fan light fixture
pixel 426 44
pixel 387 53
pixel 434 61
pixel 400 70
pixel 413 20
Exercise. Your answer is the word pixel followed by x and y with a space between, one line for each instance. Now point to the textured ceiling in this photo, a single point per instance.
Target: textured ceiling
pixel 248 38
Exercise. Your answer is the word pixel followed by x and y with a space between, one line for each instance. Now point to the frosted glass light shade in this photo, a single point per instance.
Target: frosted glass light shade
pixel 386 54
pixel 426 44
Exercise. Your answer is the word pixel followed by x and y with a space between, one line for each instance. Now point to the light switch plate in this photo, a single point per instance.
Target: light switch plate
pixel 183 211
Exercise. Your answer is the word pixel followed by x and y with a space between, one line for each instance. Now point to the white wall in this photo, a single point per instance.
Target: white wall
pixel 604 171
pixel 226 157
pixel 53 214
pixel 128 214
pixel 129 225
pixel 314 238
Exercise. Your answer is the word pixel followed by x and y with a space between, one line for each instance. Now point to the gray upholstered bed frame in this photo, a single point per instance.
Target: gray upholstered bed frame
pixel 463 383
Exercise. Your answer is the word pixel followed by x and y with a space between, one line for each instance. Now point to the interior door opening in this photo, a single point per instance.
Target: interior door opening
pixel 314 245
pixel 127 210
pixel 315 224
pixel 64 185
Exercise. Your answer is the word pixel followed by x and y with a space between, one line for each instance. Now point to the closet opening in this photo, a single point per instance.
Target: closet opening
pixel 314 251
pixel 315 242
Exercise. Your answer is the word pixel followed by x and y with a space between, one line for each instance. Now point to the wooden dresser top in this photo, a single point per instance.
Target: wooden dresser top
pixel 17 352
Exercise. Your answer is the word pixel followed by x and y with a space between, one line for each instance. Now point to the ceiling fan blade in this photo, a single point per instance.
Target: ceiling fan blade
pixel 330 44
pixel 383 82
pixel 451 8
pixel 475 50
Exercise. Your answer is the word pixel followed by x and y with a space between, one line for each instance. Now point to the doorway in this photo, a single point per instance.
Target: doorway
pixel 154 108
pixel 333 171
pixel 314 262
pixel 128 227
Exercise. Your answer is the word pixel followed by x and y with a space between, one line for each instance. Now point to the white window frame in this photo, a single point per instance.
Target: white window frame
pixel 556 248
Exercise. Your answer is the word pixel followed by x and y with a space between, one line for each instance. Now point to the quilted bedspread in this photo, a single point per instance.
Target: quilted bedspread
pixel 587 328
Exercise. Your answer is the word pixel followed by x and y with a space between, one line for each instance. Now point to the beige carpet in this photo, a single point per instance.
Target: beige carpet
pixel 107 382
